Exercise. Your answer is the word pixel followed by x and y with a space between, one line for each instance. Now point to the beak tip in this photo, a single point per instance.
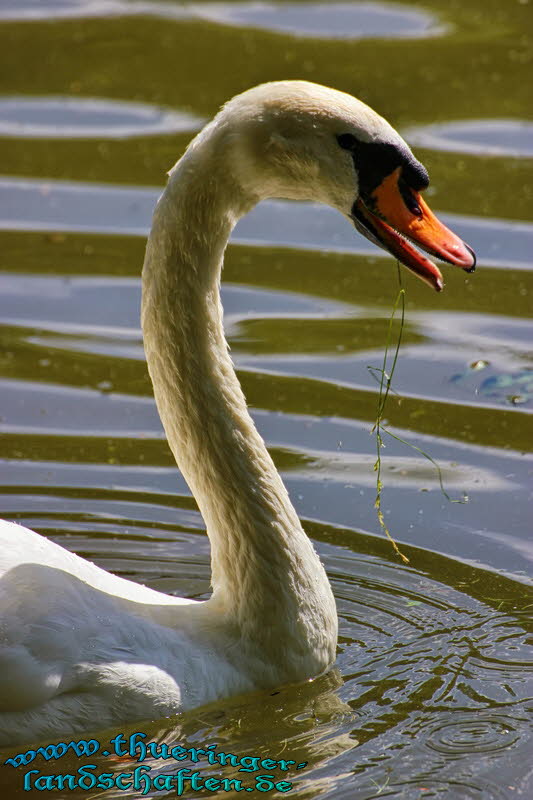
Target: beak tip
pixel 472 267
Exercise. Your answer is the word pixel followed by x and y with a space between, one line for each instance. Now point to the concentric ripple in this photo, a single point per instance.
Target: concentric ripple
pixel 479 733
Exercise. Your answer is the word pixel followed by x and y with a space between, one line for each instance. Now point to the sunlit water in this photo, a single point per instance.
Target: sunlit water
pixel 78 118
pixel 432 692
pixel 356 20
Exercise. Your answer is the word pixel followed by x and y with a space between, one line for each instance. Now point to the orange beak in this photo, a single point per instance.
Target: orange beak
pixel 394 211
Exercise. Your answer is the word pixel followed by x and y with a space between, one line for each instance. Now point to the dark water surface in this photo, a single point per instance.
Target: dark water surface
pixel 432 692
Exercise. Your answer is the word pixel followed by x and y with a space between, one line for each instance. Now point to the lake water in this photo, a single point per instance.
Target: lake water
pixel 432 692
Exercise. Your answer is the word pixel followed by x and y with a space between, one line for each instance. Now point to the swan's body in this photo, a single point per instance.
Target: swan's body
pixel 80 647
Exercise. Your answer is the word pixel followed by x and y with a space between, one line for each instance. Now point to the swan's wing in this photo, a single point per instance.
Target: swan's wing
pixel 60 616
pixel 20 547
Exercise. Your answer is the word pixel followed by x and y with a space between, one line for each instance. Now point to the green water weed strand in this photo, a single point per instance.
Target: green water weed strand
pixel 379 428
pixel 384 390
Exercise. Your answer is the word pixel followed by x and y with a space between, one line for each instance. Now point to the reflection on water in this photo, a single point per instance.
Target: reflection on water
pixel 515 387
pixel 429 675
pixel 344 20
pixel 73 325
pixel 432 691
pixel 493 137
pixel 54 117
pixel 54 205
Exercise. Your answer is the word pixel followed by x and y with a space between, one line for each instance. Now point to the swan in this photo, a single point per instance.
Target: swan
pixel 81 648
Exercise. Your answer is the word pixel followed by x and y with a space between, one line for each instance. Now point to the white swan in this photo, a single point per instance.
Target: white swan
pixel 80 647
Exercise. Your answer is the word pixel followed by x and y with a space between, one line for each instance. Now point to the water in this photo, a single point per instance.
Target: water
pixel 344 20
pixel 432 692
pixel 53 117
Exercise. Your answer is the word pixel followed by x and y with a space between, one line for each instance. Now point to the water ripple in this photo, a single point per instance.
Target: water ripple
pixel 58 205
pixel 485 137
pixel 319 20
pixel 336 20
pixel 76 117
pixel 479 733
pixel 451 789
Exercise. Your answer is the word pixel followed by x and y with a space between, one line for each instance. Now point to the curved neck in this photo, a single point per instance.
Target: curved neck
pixel 264 568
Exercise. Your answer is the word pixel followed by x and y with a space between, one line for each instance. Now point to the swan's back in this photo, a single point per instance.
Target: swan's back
pixel 88 647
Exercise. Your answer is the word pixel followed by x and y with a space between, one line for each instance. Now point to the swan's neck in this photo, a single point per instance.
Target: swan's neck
pixel 266 576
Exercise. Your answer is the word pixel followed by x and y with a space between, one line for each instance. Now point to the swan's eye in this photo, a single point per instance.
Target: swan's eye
pixel 347 141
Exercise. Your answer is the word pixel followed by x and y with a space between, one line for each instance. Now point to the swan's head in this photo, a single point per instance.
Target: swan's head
pixel 302 141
